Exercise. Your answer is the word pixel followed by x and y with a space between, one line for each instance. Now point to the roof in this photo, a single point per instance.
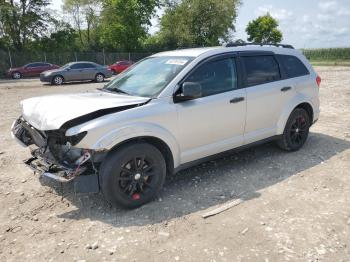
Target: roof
pixel 195 52
pixel 191 52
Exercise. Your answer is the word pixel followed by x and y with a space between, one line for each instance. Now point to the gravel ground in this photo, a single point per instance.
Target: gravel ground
pixel 295 205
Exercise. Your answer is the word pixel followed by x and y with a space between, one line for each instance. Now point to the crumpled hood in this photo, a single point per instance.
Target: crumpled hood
pixel 51 112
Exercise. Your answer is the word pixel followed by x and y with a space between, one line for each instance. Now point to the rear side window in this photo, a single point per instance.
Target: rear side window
pixel 293 66
pixel 88 65
pixel 77 66
pixel 260 70
pixel 82 66
pixel 32 65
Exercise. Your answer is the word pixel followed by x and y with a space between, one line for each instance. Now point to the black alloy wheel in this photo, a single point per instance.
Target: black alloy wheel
pixel 132 175
pixel 296 130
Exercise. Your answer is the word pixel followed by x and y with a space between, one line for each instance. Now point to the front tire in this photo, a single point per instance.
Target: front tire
pixel 16 75
pixel 57 80
pixel 296 130
pixel 132 175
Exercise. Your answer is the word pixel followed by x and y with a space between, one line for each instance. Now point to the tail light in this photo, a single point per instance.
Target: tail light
pixel 318 81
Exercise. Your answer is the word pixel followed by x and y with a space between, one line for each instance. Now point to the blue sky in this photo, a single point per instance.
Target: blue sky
pixel 304 23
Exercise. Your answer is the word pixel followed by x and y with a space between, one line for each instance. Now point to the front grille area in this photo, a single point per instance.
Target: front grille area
pixel 27 134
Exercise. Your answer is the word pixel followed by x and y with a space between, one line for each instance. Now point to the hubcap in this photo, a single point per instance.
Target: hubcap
pixel 137 177
pixel 298 131
pixel 58 80
pixel 16 75
pixel 99 78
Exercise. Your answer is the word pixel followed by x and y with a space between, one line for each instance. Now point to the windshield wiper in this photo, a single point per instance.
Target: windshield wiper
pixel 115 90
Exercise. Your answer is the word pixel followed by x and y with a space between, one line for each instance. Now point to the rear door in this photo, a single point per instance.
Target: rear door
pixel 44 67
pixel 31 69
pixel 89 71
pixel 267 94
pixel 78 72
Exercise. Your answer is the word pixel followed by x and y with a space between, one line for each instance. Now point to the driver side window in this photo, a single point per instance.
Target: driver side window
pixel 215 77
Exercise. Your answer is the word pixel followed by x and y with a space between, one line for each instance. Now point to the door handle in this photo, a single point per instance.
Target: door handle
pixel 286 88
pixel 236 100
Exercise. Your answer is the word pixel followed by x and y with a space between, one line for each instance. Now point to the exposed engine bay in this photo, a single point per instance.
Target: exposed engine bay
pixel 54 154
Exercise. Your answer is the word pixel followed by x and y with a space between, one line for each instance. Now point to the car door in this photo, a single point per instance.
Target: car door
pixel 30 69
pixel 43 67
pixel 89 71
pixel 76 72
pixel 267 94
pixel 215 121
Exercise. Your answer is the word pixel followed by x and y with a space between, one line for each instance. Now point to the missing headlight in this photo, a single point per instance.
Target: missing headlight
pixel 74 140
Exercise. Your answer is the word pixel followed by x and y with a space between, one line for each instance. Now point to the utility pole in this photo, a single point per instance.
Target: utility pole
pixel 10 56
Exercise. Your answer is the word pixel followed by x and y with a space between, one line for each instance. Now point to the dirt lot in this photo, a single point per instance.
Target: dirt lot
pixel 295 205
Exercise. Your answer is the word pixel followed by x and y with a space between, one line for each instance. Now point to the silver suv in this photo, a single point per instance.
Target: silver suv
pixel 167 112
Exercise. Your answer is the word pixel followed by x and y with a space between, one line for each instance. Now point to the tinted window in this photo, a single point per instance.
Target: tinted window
pixel 88 65
pixel 82 66
pixel 260 70
pixel 34 65
pixel 215 77
pixel 293 66
pixel 75 66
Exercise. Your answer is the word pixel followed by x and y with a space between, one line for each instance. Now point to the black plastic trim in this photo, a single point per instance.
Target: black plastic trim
pixel 258 44
pixel 225 153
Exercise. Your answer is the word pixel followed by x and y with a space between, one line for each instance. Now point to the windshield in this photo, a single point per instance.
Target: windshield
pixel 148 77
pixel 66 66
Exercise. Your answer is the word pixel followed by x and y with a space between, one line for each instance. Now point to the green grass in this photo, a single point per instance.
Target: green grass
pixel 328 56
pixel 331 63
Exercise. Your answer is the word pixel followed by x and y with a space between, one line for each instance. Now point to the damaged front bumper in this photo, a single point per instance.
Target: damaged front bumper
pixel 54 157
pixel 56 171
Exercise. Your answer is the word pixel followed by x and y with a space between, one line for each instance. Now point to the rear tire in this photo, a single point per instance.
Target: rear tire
pixel 57 80
pixel 296 131
pixel 99 78
pixel 16 75
pixel 132 175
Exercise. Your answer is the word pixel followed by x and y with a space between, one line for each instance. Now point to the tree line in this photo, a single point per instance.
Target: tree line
pixel 123 25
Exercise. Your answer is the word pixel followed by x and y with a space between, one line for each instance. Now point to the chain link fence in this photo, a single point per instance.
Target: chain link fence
pixel 10 59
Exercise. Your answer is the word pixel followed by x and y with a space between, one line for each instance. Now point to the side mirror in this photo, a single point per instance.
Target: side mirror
pixel 190 91
pixel 68 69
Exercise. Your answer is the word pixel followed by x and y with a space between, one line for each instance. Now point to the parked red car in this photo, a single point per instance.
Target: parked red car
pixel 32 69
pixel 120 66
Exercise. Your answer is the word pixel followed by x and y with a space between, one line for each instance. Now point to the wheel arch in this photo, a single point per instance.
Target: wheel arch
pixel 308 108
pixel 304 104
pixel 156 135
pixel 53 77
pixel 157 143
pixel 14 72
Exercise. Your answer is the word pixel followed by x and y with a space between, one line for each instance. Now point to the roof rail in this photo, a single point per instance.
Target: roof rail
pixel 260 44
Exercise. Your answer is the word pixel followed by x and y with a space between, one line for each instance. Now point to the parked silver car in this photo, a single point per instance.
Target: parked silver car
pixel 169 111
pixel 76 71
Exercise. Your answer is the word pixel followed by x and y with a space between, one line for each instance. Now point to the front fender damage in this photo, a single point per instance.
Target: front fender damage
pixel 54 155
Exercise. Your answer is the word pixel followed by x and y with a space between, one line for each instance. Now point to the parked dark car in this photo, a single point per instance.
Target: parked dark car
pixel 76 71
pixel 120 66
pixel 31 69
